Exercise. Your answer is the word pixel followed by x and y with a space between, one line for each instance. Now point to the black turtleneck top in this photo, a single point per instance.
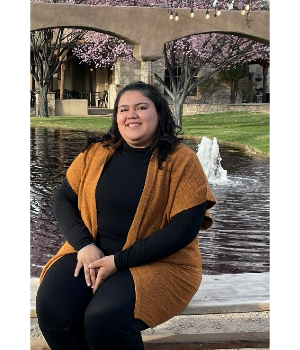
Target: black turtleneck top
pixel 117 195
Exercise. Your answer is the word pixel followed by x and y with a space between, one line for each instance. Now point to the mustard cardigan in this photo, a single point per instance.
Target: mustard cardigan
pixel 163 288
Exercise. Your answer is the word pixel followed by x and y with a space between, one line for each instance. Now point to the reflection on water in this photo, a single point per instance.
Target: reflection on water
pixel 237 242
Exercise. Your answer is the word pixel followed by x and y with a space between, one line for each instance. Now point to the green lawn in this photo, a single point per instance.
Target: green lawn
pixel 247 129
pixel 250 130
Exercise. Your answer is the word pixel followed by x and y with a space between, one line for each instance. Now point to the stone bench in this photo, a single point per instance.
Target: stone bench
pixel 218 294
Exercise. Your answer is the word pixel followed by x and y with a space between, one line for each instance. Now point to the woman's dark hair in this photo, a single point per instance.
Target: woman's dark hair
pixel 165 138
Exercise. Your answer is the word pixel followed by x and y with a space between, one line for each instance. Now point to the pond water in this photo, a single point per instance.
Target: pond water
pixel 238 241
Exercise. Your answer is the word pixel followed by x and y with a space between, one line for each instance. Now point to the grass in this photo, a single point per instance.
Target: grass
pixel 249 130
pixel 94 123
pixel 246 129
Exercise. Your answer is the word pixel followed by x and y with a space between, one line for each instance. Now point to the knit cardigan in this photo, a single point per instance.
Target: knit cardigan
pixel 165 287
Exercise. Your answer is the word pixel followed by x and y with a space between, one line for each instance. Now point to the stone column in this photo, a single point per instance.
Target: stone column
pixel 147 72
pixel 148 68
pixel 265 78
pixel 51 103
pixel 112 94
pixel 62 81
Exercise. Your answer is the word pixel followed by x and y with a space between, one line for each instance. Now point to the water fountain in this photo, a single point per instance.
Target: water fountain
pixel 209 156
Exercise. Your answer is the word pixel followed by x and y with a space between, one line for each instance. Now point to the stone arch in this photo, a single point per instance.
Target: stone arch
pixel 147 28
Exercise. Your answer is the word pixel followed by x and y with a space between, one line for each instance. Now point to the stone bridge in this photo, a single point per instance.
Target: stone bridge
pixel 148 28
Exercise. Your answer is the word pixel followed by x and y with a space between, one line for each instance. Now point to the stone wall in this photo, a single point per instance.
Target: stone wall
pixel 67 107
pixel 127 72
pixel 190 109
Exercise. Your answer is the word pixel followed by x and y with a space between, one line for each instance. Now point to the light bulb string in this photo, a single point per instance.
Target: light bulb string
pixel 218 11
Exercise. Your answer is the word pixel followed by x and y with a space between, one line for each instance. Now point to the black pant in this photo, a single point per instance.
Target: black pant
pixel 72 318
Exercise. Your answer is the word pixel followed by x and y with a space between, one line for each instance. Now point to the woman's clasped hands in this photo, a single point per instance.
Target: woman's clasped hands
pixel 104 268
pixel 96 266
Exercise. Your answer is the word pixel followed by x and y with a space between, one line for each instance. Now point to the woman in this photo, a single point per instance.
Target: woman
pixel 130 207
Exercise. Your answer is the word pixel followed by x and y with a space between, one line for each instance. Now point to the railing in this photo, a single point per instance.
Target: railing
pixel 95 98
pixel 98 99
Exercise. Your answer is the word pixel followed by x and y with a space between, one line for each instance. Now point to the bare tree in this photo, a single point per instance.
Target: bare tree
pixel 50 49
pixel 206 52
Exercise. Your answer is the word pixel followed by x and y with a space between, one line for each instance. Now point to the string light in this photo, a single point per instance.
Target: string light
pixel 246 8
pixel 218 12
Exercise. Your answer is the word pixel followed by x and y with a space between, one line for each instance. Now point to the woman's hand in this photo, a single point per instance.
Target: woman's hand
pixel 105 267
pixel 84 257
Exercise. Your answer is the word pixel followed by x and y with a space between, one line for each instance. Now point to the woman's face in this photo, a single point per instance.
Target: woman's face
pixel 137 119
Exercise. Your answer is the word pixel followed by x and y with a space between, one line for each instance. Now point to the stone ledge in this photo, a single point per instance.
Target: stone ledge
pixel 218 294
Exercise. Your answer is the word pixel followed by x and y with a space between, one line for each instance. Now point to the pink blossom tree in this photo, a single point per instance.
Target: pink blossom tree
pixel 102 50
